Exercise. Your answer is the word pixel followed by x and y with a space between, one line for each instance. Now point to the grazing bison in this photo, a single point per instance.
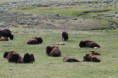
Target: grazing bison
pixel 6 33
pixel 64 36
pixel 13 57
pixel 68 59
pixel 28 58
pixel 88 43
pixel 53 51
pixel 35 40
pixel 90 58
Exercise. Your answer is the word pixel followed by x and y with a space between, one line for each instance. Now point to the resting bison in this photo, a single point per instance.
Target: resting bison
pixel 68 59
pixel 28 58
pixel 90 58
pixel 88 43
pixel 6 33
pixel 53 51
pixel 13 57
pixel 64 36
pixel 35 40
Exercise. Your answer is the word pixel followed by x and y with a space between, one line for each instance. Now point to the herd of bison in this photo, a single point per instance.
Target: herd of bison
pixel 52 51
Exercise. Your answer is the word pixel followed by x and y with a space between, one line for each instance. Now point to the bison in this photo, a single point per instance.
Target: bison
pixel 88 43
pixel 35 40
pixel 91 58
pixel 64 36
pixel 13 57
pixel 6 33
pixel 68 59
pixel 53 51
pixel 28 58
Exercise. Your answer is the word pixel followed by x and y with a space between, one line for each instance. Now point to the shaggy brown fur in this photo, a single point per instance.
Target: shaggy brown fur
pixel 53 51
pixel 91 58
pixel 12 56
pixel 35 40
pixel 28 58
pixel 68 59
pixel 88 43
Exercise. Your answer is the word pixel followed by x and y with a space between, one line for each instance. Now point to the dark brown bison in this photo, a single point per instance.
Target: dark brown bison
pixel 95 59
pixel 88 43
pixel 13 57
pixel 68 59
pixel 64 36
pixel 35 40
pixel 28 58
pixel 53 51
pixel 87 57
pixel 6 33
pixel 91 58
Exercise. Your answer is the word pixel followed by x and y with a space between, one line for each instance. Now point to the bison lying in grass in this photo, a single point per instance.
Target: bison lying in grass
pixel 68 59
pixel 28 58
pixel 14 57
pixel 53 51
pixel 91 57
pixel 35 40
pixel 89 44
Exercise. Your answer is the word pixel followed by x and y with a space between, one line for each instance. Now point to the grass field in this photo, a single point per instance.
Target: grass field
pixel 73 19
pixel 51 67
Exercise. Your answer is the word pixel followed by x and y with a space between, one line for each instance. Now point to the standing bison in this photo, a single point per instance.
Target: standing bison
pixel 35 40
pixel 88 43
pixel 64 36
pixel 53 51
pixel 6 33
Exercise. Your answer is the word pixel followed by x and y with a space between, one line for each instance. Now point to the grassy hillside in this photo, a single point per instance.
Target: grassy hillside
pixel 77 15
pixel 50 67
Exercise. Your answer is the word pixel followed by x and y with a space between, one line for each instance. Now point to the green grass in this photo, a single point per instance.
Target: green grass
pixel 50 67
